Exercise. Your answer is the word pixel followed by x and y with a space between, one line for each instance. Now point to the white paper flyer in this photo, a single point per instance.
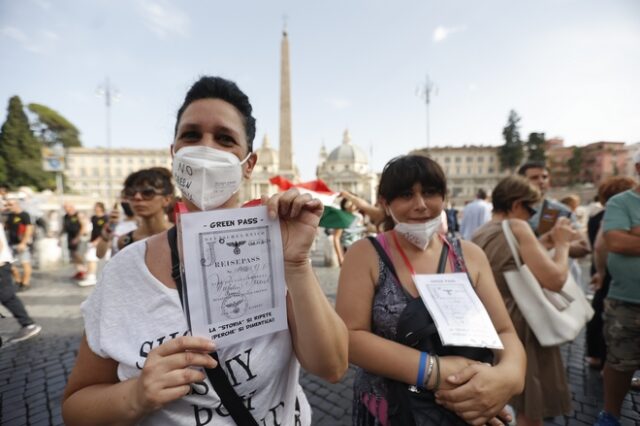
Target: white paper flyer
pixel 456 309
pixel 234 272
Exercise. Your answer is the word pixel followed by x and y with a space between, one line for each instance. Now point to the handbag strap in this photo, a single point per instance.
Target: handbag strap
pixel 444 255
pixel 511 241
pixel 219 380
pixel 384 256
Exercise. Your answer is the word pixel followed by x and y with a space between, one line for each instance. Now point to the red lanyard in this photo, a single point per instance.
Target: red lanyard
pixel 404 256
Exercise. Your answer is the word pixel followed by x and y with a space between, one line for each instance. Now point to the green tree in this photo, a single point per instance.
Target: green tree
pixel 52 128
pixel 575 165
pixel 535 148
pixel 21 152
pixel 3 171
pixel 512 152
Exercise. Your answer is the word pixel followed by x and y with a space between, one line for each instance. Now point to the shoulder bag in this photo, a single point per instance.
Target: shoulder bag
pixel 554 317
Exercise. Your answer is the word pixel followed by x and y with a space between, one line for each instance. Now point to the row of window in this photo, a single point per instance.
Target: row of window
pixel 120 160
pixel 469 159
pixel 116 172
pixel 457 170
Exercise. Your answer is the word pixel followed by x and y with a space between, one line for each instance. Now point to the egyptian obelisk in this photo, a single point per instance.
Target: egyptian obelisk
pixel 287 169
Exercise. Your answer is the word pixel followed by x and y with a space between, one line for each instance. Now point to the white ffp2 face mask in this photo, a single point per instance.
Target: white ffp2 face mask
pixel 206 176
pixel 418 234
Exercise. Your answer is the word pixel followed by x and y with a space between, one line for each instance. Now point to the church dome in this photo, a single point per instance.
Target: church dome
pixel 267 156
pixel 347 152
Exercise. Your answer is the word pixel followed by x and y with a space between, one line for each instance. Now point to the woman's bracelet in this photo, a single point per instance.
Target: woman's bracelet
pixel 429 371
pixel 421 367
pixel 437 385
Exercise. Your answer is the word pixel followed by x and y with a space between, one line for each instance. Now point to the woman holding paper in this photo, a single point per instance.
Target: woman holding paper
pixel 376 287
pixel 136 362
pixel 545 392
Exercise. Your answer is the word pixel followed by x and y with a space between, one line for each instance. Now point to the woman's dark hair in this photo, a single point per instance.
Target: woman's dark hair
pixel 401 173
pixel 158 177
pixel 511 189
pixel 208 87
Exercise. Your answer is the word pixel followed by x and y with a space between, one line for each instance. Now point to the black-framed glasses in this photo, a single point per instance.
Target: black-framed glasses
pixel 532 212
pixel 147 192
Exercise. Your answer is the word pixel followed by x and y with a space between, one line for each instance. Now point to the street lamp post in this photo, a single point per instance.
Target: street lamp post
pixel 424 92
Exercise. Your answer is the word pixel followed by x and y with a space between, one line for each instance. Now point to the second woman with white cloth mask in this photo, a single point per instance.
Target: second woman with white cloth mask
pixel 376 290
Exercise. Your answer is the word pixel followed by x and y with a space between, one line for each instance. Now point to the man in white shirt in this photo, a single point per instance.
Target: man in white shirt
pixel 475 214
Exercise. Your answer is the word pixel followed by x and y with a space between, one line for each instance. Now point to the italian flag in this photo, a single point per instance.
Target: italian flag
pixel 333 216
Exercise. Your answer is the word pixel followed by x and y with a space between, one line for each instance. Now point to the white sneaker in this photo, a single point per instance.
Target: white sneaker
pixel 89 281
pixel 26 332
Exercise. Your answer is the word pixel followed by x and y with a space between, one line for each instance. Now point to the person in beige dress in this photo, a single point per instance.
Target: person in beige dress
pixel 546 393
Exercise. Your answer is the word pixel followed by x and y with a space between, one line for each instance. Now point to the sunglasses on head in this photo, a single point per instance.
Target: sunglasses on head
pixel 147 192
pixel 529 209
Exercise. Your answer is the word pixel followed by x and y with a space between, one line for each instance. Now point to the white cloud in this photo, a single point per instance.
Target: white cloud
pixel 44 4
pixel 15 33
pixel 338 103
pixel 163 19
pixel 472 87
pixel 441 32
pixel 23 39
pixel 50 35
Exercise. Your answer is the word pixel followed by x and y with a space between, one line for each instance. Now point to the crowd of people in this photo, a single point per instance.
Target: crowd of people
pixel 404 374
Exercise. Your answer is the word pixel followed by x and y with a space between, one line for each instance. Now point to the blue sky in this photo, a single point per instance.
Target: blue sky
pixel 569 68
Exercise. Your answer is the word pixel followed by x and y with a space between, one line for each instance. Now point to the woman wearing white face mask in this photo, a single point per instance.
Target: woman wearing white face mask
pixel 135 364
pixel 376 289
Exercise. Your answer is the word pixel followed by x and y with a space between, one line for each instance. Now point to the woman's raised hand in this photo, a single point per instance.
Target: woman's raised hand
pixel 562 232
pixel 167 374
pixel 299 217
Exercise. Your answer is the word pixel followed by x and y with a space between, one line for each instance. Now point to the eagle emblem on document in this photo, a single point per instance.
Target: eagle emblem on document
pixel 236 246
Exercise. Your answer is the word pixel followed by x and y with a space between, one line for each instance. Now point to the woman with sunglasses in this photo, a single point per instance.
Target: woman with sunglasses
pixel 149 192
pixel 545 391
pixel 138 364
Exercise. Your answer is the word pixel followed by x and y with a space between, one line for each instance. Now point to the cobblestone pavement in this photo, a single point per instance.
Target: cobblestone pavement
pixel 33 373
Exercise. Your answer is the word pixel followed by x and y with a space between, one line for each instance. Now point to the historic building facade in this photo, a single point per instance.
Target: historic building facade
pixel 346 168
pixel 468 168
pixel 266 167
pixel 601 160
pixel 99 173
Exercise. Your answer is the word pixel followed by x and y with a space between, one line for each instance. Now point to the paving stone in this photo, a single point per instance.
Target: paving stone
pixel 48 359
pixel 12 413
pixel 575 422
pixel 29 393
pixel 15 422
pixel 39 417
pixel 40 422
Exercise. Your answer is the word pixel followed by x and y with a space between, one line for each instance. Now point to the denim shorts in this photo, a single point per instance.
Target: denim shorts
pixel 21 257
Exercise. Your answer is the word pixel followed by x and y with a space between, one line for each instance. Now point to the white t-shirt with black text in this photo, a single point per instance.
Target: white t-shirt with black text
pixel 130 313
